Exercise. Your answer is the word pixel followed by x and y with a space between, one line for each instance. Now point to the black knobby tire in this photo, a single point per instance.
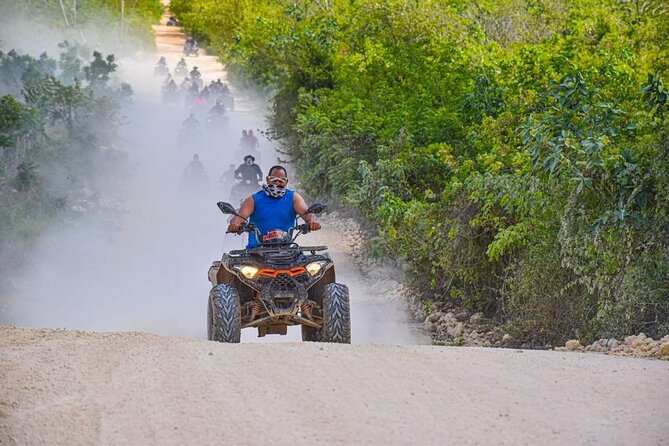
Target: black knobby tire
pixel 224 319
pixel 336 314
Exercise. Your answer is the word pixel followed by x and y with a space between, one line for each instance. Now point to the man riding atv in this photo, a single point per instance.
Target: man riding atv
pixel 181 70
pixel 248 175
pixel 194 178
pixel 190 135
pixel 191 46
pixel 161 68
pixel 170 91
pixel 273 207
pixel 275 283
pixel 196 77
pixel 218 109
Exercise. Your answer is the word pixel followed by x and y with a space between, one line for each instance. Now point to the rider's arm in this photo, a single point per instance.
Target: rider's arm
pixel 248 206
pixel 301 207
pixel 259 172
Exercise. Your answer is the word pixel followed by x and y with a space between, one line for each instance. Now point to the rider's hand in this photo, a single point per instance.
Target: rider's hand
pixel 314 226
pixel 234 226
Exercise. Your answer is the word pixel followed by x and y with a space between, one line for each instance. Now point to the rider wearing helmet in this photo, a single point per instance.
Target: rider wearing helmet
pixel 218 109
pixel 249 171
pixel 195 74
pixel 273 207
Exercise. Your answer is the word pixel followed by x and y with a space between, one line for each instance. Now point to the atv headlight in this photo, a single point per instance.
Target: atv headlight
pixel 314 268
pixel 248 271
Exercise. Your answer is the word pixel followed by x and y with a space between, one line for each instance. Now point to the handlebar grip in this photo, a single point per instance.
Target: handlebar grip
pixel 246 227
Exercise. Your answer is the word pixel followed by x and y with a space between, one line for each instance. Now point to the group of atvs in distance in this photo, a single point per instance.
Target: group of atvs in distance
pixel 241 181
pixel 187 87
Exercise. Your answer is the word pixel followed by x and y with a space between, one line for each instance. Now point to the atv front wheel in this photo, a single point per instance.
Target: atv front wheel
pixel 336 314
pixel 224 318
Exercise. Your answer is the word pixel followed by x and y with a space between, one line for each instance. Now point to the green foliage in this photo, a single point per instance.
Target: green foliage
pixel 512 153
pixel 71 61
pixel 14 118
pixel 55 137
pixel 97 73
pixel 84 19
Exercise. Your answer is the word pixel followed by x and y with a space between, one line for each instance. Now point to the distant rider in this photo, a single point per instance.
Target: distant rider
pixel 195 75
pixel 194 169
pixel 218 109
pixel 191 44
pixel 243 142
pixel 170 86
pixel 273 207
pixel 228 175
pixel 252 141
pixel 249 171
pixel 191 122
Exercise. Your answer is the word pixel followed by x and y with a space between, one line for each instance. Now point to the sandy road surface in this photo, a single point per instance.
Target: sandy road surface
pixel 79 388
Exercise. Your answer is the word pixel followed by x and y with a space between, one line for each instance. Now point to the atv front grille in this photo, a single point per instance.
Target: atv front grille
pixel 284 284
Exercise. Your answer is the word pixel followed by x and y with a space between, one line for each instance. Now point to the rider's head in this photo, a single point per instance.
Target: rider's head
pixel 243 132
pixel 249 159
pixel 250 132
pixel 196 157
pixel 276 182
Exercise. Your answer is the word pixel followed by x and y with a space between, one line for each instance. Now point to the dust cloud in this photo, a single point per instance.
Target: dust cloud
pixel 146 269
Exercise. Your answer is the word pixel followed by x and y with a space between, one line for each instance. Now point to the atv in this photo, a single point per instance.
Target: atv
pixel 216 123
pixel 275 285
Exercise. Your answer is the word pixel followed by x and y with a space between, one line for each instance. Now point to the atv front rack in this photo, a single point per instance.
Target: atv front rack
pixel 276 249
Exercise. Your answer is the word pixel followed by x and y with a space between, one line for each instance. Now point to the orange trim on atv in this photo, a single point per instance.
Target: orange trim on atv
pixel 267 272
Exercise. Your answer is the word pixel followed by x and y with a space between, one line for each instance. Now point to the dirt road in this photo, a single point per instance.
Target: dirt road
pixel 66 387
pixel 80 388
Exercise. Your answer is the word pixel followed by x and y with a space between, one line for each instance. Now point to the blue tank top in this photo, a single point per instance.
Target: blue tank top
pixel 271 213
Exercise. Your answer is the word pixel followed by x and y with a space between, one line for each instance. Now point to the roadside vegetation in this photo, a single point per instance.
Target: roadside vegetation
pixel 514 154
pixel 59 121
pixel 125 24
pixel 58 136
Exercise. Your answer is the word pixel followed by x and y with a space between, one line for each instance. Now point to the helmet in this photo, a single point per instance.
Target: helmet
pixel 251 157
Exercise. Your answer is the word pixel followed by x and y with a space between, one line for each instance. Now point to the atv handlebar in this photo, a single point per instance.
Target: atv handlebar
pixel 245 227
pixel 250 227
pixel 302 229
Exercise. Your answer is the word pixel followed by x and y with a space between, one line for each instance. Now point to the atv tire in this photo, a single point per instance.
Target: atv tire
pixel 224 318
pixel 336 317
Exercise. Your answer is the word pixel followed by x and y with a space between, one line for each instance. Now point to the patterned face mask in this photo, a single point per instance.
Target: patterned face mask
pixel 274 191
